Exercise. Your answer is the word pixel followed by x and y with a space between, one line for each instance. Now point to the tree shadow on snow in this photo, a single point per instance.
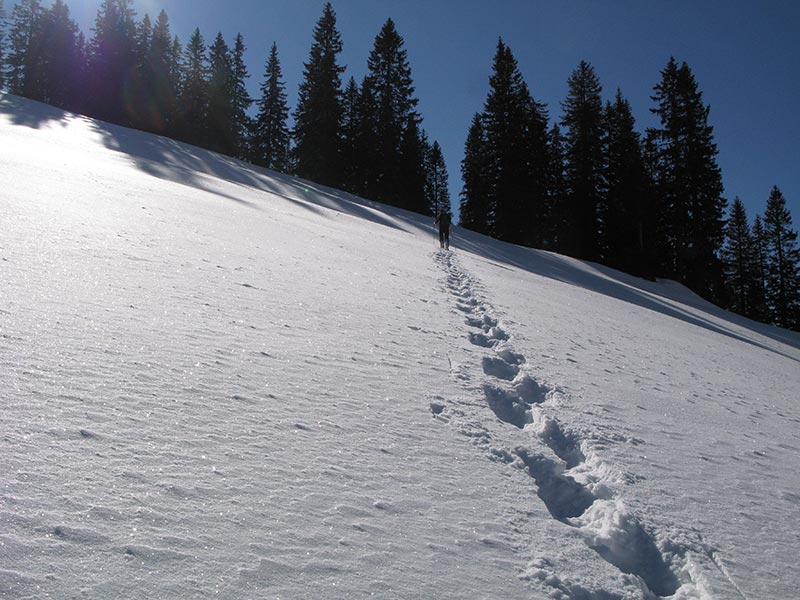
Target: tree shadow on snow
pixel 208 171
pixel 665 297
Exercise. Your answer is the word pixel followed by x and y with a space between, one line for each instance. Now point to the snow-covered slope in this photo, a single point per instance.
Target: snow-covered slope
pixel 219 382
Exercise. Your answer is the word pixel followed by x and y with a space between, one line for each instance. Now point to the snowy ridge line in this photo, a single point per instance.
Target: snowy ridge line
pixel 576 486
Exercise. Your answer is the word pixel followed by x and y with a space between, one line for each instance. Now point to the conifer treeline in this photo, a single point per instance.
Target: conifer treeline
pixel 592 187
pixel 589 185
pixel 366 139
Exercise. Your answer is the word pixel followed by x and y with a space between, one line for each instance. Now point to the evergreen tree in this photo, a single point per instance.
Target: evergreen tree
pixel 622 212
pixel 508 120
pixel 410 189
pixel 397 120
pixel 758 292
pixel 688 182
pixel 474 210
pixel 783 262
pixel 583 119
pixel 241 99
pixel 437 192
pixel 318 116
pixel 557 231
pixel 112 58
pixel 194 96
pixel 222 133
pixel 270 139
pixel 161 78
pixel 24 54
pixel 365 141
pixel 139 98
pixel 60 58
pixel 351 125
pixel 738 260
pixel 538 197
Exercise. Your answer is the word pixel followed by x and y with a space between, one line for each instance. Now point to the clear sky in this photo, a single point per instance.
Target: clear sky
pixel 745 56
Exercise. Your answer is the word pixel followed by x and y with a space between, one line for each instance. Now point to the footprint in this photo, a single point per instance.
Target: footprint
pixel 530 390
pixel 564 497
pixel 497 367
pixel 564 445
pixel 507 406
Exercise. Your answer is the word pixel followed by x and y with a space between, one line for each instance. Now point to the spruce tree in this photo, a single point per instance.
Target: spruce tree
pixel 241 100
pixel 318 117
pixel 194 96
pixel 583 120
pixel 269 144
pixel 474 210
pixel 351 169
pixel 622 211
pixel 366 140
pixel 512 120
pixel 161 78
pixel 783 262
pixel 688 182
pixel 410 187
pixel 138 83
pixel 397 120
pixel 437 191
pixel 758 292
pixel 557 231
pixel 738 260
pixel 24 52
pixel 222 131
pixel 60 57
pixel 112 57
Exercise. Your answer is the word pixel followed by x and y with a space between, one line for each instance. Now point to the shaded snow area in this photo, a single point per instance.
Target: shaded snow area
pixel 220 382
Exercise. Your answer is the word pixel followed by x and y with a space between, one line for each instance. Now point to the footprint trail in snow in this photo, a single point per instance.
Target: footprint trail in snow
pixel 576 486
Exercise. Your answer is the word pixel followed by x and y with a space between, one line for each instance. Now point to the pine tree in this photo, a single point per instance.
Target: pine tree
pixel 758 292
pixel 318 117
pixel 738 259
pixel 24 55
pixel 511 121
pixel 437 191
pixel 397 120
pixel 222 132
pixel 688 182
pixel 410 188
pixel 270 139
pixel 161 78
pixel 583 120
pixel 622 212
pixel 557 231
pixel 365 141
pixel 112 57
pixel 60 57
pixel 139 97
pixel 194 96
pixel 783 262
pixel 474 210
pixel 351 124
pixel 241 100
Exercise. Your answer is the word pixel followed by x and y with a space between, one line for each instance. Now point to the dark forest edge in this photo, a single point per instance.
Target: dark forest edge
pixel 589 186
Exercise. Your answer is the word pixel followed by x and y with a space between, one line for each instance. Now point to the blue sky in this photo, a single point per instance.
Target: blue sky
pixel 745 56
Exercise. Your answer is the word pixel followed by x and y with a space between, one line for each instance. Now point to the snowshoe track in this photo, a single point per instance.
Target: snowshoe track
pixel 570 479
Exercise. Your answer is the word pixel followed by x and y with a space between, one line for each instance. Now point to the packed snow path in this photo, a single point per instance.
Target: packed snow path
pixel 575 485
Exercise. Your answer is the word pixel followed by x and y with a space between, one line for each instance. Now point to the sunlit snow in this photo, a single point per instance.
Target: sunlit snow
pixel 220 382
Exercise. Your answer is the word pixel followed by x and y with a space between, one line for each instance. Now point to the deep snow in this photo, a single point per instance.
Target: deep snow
pixel 220 382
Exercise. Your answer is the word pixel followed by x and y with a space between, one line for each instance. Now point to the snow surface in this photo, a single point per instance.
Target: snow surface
pixel 220 382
